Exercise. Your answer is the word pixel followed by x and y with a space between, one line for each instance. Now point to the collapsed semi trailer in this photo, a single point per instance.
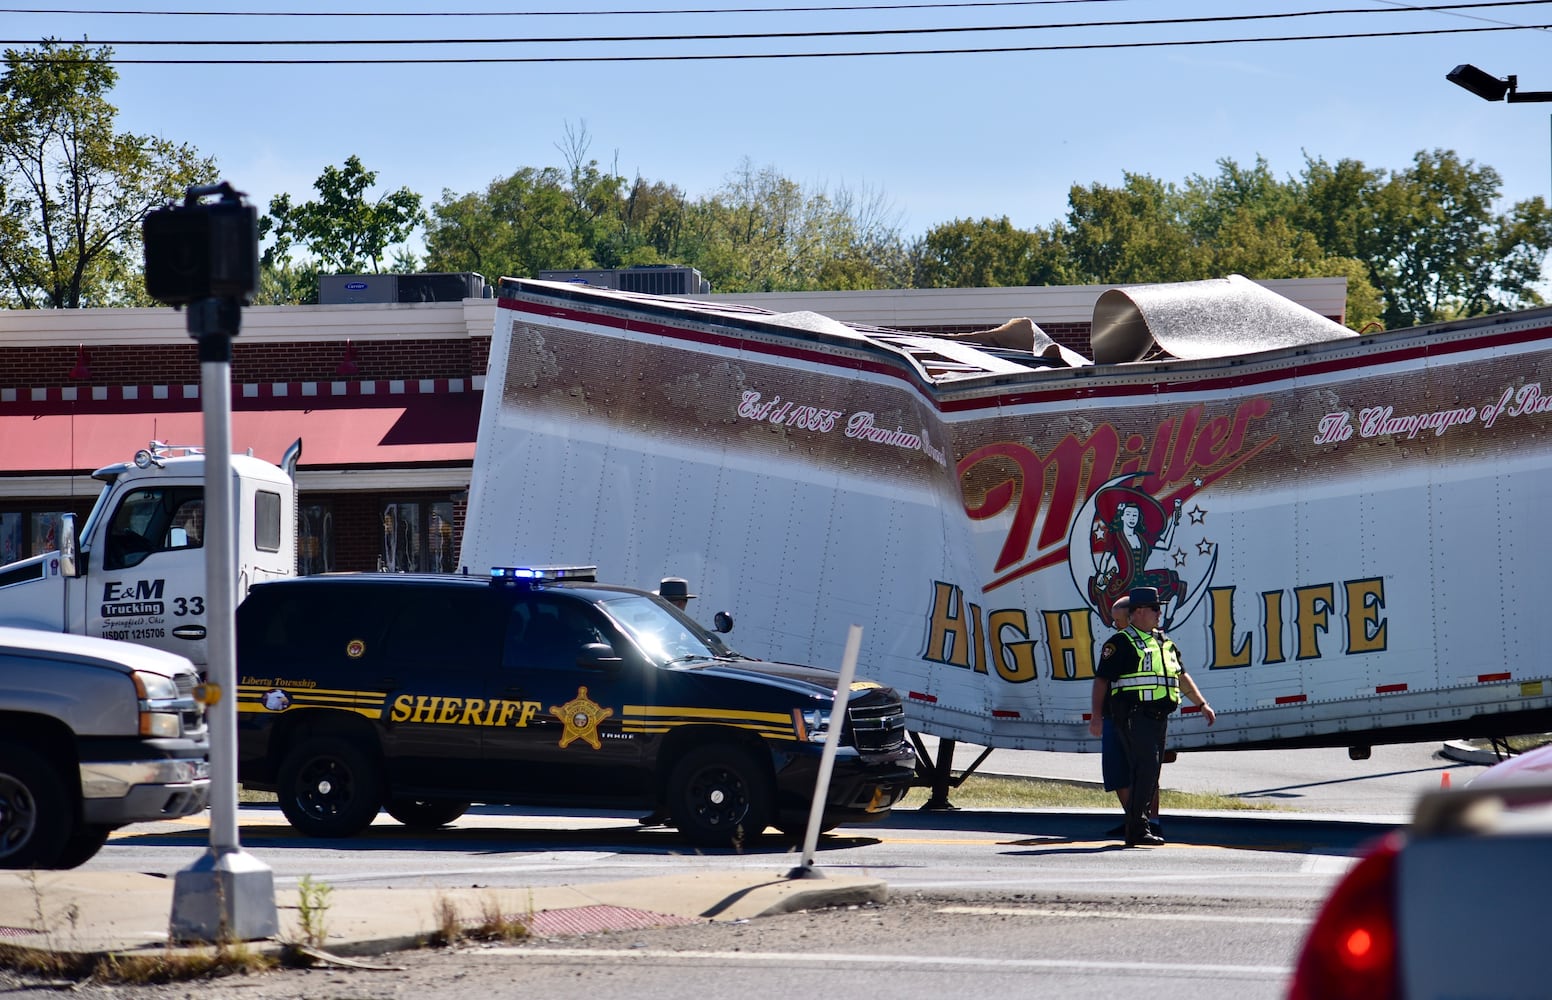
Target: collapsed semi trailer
pixel 1345 531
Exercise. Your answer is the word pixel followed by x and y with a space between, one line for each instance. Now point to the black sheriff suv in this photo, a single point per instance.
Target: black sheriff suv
pixel 422 694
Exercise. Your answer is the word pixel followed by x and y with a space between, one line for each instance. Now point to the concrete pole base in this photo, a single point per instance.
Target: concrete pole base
pixel 223 897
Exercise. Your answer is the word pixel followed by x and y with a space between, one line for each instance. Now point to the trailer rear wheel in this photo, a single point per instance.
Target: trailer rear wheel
pixel 720 796
pixel 36 817
pixel 329 787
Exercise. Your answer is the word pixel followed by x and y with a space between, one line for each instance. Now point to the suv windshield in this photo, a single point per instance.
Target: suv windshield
pixel 665 637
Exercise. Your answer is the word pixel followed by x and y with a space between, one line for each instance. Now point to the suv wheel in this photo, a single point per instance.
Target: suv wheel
pixel 329 787
pixel 36 815
pixel 720 796
pixel 425 814
pixel 83 845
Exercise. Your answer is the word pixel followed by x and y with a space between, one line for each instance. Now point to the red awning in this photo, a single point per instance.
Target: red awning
pixel 415 430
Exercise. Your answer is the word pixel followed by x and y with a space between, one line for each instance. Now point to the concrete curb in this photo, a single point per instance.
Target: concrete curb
pixel 1464 753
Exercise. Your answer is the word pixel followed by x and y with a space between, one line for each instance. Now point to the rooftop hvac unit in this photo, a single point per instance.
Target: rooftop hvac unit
pixel 652 279
pixel 347 289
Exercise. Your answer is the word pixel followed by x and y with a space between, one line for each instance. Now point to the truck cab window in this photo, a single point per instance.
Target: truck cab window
pixel 153 520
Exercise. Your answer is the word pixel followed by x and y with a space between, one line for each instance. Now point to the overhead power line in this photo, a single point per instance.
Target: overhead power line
pixel 835 33
pixel 559 13
pixel 1396 7
pixel 729 56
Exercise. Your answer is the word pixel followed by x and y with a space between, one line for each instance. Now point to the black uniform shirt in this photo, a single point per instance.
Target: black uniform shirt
pixel 1118 656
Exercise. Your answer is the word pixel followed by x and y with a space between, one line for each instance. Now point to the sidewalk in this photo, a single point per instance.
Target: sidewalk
pixel 84 912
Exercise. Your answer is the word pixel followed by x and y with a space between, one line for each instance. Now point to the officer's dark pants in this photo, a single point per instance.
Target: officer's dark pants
pixel 1142 732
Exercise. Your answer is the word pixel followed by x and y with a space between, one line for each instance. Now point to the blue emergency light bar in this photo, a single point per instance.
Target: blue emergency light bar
pixel 538 576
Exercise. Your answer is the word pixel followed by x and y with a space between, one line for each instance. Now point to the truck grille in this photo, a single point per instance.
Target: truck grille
pixel 193 716
pixel 878 727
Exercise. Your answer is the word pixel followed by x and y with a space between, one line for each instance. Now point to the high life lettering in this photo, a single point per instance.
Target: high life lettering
pixel 1308 622
pixel 1005 475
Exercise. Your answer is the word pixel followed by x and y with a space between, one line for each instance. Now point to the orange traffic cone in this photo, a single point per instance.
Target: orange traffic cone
pixel 1444 780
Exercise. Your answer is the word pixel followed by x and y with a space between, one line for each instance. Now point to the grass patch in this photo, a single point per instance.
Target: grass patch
pixel 1517 744
pixel 495 922
pixel 141 969
pixel 249 795
pixel 995 791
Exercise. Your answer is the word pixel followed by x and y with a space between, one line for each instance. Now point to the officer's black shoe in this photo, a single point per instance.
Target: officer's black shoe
pixel 1146 840
pixel 1156 828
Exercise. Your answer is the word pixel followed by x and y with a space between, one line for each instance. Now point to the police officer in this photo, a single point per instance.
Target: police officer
pixel 1143 675
pixel 676 591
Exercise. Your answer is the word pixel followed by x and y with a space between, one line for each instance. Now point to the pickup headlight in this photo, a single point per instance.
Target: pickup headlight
pixel 813 724
pixel 160 706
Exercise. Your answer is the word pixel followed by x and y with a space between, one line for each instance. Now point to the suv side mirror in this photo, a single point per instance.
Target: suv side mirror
pixel 722 622
pixel 598 656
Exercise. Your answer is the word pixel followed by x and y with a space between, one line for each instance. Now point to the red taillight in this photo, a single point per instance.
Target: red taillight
pixel 1351 948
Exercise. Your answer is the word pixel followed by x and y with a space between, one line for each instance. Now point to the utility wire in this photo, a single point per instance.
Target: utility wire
pixel 730 56
pixel 557 13
pixel 837 33
pixel 1395 7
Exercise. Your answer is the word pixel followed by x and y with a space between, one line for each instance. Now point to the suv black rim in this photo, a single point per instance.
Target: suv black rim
pixel 719 797
pixel 324 786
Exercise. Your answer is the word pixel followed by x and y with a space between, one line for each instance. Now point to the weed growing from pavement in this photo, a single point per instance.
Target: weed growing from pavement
pixel 312 904
pixel 495 922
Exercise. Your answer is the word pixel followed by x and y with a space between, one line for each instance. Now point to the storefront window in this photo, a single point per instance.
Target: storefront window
pixel 24 534
pixel 418 537
pixel 315 539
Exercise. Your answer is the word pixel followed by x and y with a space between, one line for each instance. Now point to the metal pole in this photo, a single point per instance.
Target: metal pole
pixel 827 757
pixel 227 895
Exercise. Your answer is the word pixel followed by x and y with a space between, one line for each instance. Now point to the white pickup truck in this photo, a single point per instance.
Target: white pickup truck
pixel 136 570
pixel 94 735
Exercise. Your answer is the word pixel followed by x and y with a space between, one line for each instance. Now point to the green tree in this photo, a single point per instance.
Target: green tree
pixel 1134 233
pixel 518 226
pixel 762 232
pixel 343 230
pixel 1441 252
pixel 73 190
pixel 984 253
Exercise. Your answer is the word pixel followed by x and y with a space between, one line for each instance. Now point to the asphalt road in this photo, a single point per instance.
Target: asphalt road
pixel 1005 902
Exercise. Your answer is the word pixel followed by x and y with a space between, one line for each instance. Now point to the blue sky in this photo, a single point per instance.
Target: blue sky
pixel 940 136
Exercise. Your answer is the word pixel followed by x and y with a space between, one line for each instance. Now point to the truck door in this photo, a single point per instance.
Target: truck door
pixel 571 746
pixel 147 579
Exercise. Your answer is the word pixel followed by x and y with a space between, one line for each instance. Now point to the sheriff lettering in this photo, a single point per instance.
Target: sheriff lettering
pixel 462 711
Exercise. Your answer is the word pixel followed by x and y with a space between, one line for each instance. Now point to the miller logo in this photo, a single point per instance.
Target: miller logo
pixel 581 717
pixel 1132 542
pixel 1187 454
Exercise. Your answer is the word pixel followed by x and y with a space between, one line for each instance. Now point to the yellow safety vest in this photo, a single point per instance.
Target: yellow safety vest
pixel 1156 675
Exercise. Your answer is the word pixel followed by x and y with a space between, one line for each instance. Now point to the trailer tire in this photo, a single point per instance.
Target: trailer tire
pixel 330 787
pixel 426 814
pixel 36 814
pixel 720 796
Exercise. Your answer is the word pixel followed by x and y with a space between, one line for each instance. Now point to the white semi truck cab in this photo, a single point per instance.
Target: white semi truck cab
pixel 136 569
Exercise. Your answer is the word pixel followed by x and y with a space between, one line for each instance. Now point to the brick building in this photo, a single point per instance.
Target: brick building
pixel 385 399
